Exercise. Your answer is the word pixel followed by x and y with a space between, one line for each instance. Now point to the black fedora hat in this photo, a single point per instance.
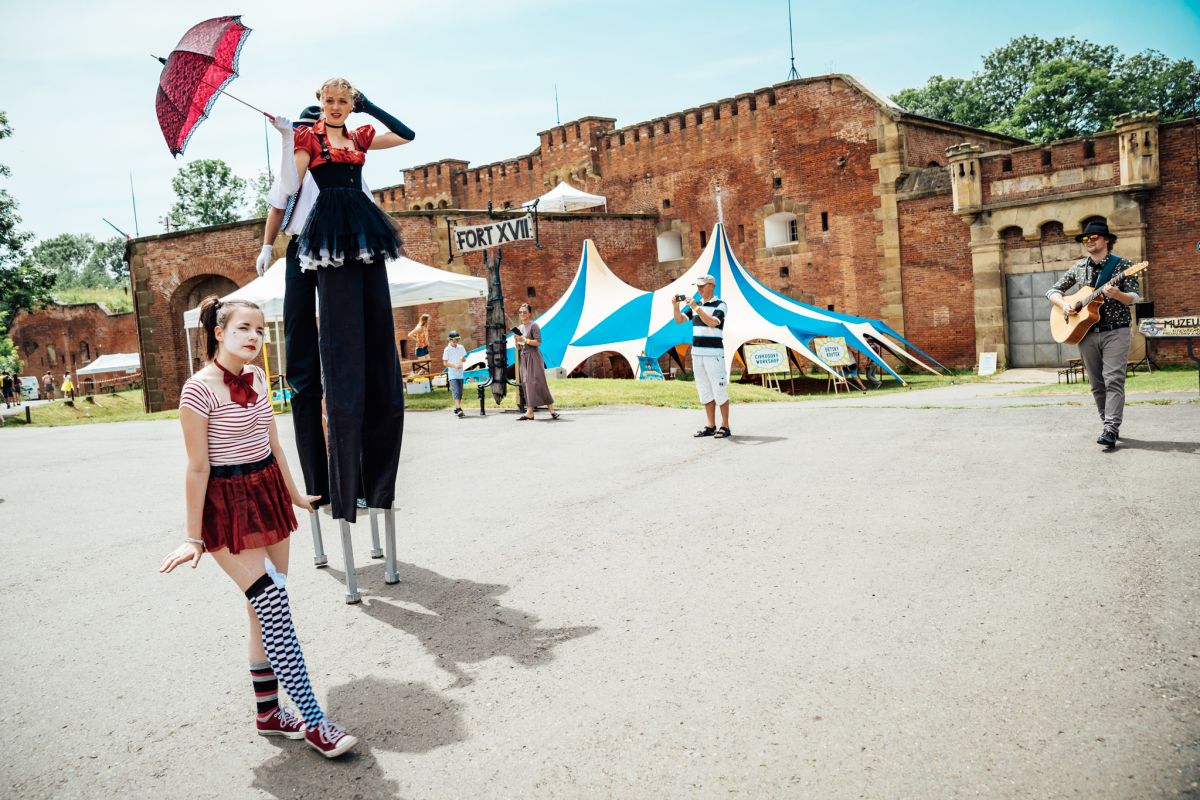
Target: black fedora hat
pixel 1097 229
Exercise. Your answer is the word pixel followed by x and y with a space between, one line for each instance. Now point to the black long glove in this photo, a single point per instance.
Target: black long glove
pixel 391 123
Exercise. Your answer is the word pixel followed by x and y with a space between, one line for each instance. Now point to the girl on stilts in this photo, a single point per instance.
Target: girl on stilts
pixel 240 495
pixel 347 239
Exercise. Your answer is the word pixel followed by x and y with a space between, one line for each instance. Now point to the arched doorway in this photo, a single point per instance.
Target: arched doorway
pixel 186 297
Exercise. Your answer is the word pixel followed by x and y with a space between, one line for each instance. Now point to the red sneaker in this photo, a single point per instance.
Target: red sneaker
pixel 330 739
pixel 280 723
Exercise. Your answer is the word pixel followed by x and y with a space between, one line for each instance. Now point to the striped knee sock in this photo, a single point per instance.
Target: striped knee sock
pixel 270 604
pixel 266 687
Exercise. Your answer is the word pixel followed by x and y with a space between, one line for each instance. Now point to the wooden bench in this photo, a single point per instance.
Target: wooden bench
pixel 1073 371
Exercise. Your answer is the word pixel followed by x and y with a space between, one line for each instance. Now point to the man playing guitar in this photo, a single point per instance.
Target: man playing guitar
pixel 1105 348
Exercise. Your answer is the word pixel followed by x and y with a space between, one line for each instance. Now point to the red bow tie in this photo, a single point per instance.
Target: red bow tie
pixel 241 387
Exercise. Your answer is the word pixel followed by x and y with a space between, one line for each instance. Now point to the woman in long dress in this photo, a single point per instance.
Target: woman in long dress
pixel 533 369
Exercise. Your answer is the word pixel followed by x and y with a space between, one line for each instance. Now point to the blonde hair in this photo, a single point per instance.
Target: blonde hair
pixel 339 83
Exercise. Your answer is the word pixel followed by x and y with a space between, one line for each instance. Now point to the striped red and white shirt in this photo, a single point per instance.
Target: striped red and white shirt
pixel 236 435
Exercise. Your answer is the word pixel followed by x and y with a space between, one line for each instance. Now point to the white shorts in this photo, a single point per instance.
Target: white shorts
pixel 711 381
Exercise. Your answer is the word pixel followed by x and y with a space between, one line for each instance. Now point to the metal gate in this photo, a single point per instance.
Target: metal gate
pixel 1029 341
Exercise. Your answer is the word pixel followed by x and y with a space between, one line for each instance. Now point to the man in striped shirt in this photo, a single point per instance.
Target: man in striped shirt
pixel 708 352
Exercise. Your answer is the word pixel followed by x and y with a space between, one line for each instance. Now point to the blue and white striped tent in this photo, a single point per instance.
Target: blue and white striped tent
pixel 601 313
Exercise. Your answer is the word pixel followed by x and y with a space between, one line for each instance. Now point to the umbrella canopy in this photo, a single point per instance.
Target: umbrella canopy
pixel 112 362
pixel 565 197
pixel 201 65
pixel 410 283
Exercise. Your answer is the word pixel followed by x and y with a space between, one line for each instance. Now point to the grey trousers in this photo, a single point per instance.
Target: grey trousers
pixel 1105 354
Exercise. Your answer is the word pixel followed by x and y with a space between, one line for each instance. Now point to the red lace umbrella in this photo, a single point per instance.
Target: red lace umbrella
pixel 201 66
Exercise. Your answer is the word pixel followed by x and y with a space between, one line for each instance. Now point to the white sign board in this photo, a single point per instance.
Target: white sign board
pixel 833 351
pixel 987 363
pixel 765 358
pixel 469 238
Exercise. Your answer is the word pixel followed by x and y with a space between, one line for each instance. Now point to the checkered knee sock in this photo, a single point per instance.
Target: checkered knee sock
pixel 270 603
pixel 266 687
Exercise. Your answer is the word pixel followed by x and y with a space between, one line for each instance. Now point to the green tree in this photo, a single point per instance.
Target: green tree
pixel 67 256
pixel 107 262
pixel 259 188
pixel 10 359
pixel 1042 89
pixel 23 286
pixel 206 193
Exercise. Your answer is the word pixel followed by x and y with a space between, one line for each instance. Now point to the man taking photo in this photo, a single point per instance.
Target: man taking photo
pixel 708 352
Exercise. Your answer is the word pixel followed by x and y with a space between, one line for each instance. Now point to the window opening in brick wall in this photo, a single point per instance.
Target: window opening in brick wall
pixel 578 133
pixel 770 98
pixel 777 183
pixel 933 164
pixel 442 204
pixel 753 103
pixel 829 307
pixel 51 355
pixel 608 143
pixel 666 203
pixel 403 349
pixel 85 352
pixel 781 229
pixel 716 112
pixel 699 117
pixel 733 109
pixel 1045 158
pixel 670 246
pixel 530 291
pixel 783 272
pixel 621 139
pixel 416 207
pixel 429 206
pixel 682 121
pixel 1089 149
pixel 508 203
pixel 824 220
pixel 1006 165
pixel 703 239
pixel 637 134
pixel 741 233
pixel 425 173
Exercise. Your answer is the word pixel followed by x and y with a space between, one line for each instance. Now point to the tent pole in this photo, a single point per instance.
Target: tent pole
pixel 187 335
pixel 279 365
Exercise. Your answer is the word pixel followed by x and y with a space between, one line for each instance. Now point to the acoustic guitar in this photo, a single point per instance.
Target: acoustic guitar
pixel 1070 328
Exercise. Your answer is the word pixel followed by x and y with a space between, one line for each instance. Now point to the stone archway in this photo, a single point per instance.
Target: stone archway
pixel 187 296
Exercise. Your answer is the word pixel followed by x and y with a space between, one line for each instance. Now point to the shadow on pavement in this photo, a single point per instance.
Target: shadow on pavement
pixel 737 438
pixel 384 715
pixel 1161 447
pixel 459 621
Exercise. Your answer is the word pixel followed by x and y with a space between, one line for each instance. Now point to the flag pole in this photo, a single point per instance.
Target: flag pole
pixel 133 199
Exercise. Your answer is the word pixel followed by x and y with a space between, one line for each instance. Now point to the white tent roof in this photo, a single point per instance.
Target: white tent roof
pixel 565 197
pixel 113 362
pixel 410 283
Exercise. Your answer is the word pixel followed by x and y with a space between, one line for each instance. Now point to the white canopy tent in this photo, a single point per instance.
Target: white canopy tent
pixel 410 283
pixel 112 362
pixel 565 197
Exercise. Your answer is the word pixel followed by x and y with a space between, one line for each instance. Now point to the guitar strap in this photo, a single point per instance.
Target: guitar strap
pixel 1110 266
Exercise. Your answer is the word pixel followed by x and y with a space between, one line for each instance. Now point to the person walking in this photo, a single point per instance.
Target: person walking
pixel 6 388
pixel 48 385
pixel 1104 349
pixel 68 387
pixel 454 357
pixel 239 495
pixel 533 368
pixel 708 353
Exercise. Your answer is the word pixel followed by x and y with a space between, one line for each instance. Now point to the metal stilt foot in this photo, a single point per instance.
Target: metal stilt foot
pixel 390 573
pixel 319 557
pixel 373 513
pixel 352 595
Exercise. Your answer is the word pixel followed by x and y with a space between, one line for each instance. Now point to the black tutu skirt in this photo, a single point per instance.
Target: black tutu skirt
pixel 346 225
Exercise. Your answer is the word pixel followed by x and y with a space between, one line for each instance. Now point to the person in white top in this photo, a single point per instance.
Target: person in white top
pixel 454 357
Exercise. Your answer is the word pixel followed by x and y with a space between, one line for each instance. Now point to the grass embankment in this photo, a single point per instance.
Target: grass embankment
pixel 1167 379
pixel 116 301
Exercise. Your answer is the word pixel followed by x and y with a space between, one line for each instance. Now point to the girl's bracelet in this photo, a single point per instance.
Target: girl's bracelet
pixel 196 541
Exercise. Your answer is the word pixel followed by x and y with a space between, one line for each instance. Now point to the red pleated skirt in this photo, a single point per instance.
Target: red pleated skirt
pixel 246 506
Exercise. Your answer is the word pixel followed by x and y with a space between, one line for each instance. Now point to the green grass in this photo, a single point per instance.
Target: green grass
pixel 116 301
pixel 1169 379
pixel 119 407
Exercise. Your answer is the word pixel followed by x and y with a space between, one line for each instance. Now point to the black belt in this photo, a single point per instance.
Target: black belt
pixel 1112 327
pixel 229 470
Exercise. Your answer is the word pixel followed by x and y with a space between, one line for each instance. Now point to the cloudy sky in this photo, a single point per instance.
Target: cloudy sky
pixel 475 79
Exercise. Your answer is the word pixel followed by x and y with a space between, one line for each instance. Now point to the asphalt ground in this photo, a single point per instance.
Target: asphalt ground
pixel 971 600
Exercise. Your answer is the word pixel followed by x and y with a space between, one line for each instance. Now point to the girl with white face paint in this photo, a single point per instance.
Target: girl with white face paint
pixel 240 495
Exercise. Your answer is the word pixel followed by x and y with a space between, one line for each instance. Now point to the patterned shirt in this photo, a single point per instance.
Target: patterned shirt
pixel 1085 272
pixel 707 341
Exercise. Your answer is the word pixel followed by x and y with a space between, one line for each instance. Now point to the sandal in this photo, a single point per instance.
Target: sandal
pixel 705 431
pixel 523 417
pixel 553 415
pixel 722 433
